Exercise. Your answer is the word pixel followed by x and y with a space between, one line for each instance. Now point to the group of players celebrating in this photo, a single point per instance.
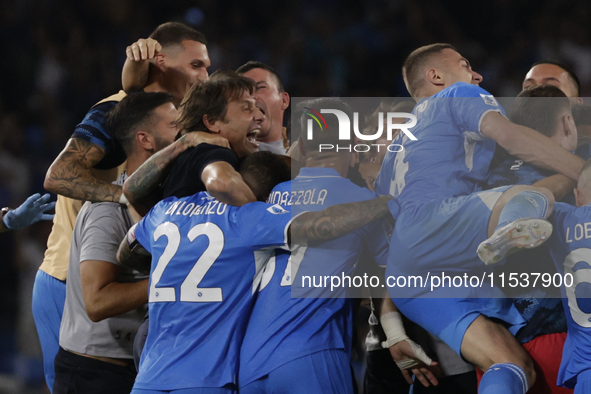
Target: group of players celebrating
pixel 177 250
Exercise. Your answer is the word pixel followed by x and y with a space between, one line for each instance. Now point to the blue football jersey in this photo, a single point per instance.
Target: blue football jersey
pixel 544 315
pixel 450 156
pixel 286 323
pixel 570 247
pixel 200 296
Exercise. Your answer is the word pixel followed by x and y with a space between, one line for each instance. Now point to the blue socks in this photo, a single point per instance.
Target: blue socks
pixel 504 378
pixel 526 204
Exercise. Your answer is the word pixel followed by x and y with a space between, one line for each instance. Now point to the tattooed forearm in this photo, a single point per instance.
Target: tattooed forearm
pixel 70 175
pixel 138 259
pixel 337 220
pixel 141 187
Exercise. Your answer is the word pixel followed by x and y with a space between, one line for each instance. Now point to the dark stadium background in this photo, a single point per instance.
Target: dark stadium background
pixel 59 57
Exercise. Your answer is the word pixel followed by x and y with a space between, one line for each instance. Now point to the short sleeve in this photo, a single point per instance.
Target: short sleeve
pixel 92 129
pixel 469 103
pixel 142 235
pixel 265 224
pixel 105 227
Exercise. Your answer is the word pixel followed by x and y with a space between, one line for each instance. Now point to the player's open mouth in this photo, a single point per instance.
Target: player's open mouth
pixel 251 136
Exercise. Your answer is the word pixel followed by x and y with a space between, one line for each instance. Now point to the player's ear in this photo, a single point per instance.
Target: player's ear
pixel 568 125
pixel 160 61
pixel 211 124
pixel 578 197
pixel 284 100
pixel 145 140
pixel 435 76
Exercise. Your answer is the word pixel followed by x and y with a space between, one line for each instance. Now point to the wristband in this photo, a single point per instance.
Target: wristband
pixel 393 328
pixel 123 200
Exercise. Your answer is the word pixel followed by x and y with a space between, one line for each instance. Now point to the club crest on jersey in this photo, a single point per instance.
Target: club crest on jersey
pixel 489 99
pixel 277 209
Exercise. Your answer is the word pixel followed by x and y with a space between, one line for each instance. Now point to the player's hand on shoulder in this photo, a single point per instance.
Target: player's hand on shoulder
pixel 143 49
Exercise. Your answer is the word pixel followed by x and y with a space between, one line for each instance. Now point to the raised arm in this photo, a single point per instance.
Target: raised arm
pixel 137 64
pixel 70 174
pixel 141 188
pixel 530 146
pixel 224 183
pixel 337 220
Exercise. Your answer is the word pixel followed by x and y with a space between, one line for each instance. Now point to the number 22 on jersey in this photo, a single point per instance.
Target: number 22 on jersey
pixel 189 289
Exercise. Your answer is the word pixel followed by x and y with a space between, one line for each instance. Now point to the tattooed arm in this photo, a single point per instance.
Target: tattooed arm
pixel 337 220
pixel 131 254
pixel 141 188
pixel 70 174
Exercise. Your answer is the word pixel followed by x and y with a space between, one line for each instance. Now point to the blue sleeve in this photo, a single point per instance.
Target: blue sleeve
pixel 469 103
pixel 92 129
pixel 265 224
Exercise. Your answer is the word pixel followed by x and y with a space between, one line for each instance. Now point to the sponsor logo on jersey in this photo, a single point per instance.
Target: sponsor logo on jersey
pixel 489 99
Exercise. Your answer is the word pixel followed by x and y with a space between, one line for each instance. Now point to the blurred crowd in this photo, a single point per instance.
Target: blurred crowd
pixel 62 56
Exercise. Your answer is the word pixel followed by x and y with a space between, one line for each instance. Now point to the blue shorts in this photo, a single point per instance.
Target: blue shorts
pixel 326 371
pixel 49 297
pixel 449 318
pixel 442 235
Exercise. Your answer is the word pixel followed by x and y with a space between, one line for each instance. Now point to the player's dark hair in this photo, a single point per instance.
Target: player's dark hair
pixel 130 115
pixel 262 171
pixel 539 107
pixel 414 63
pixel 327 134
pixel 173 33
pixel 210 98
pixel 571 73
pixel 254 64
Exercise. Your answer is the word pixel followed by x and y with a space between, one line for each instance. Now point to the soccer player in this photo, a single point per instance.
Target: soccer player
pixel 442 216
pixel 29 212
pixel 273 100
pixel 311 334
pixel 544 108
pixel 88 164
pixel 222 106
pixel 550 72
pixel 204 259
pixel 570 248
pixel 105 303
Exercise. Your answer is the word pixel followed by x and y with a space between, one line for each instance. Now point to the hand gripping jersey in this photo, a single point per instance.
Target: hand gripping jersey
pixel 570 247
pixel 450 156
pixel 203 265
pixel 286 323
